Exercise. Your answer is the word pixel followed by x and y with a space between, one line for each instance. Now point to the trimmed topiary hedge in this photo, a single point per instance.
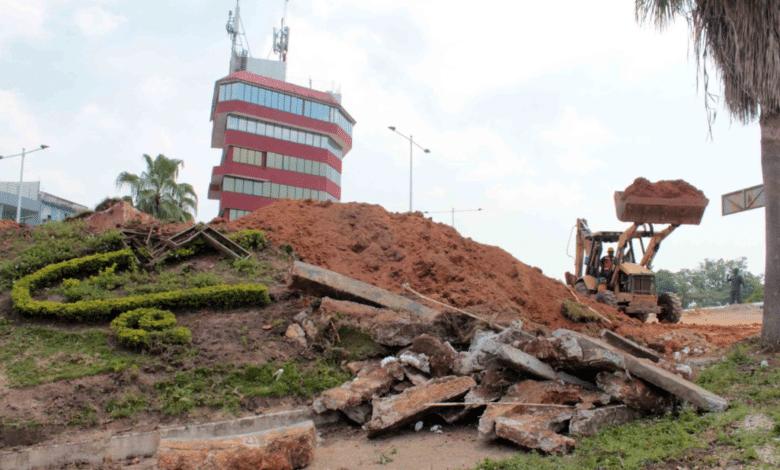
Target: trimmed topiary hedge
pixel 221 296
pixel 135 329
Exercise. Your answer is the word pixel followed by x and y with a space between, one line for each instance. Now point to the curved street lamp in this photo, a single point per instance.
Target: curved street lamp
pixel 21 179
pixel 411 144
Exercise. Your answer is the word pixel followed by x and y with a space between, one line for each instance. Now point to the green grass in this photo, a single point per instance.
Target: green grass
pixel 31 355
pixel 228 387
pixel 704 440
pixel 127 406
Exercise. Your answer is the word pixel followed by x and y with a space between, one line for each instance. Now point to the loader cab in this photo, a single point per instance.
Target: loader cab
pixel 636 280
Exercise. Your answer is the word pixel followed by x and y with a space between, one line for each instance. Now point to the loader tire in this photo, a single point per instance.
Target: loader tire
pixel 671 308
pixel 607 297
pixel 581 288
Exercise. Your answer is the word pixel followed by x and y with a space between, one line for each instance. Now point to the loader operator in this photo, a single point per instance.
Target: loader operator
pixel 607 263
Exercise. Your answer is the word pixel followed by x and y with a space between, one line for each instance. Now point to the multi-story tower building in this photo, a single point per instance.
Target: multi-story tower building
pixel 278 140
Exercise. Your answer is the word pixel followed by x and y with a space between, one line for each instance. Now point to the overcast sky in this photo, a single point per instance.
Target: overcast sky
pixel 535 112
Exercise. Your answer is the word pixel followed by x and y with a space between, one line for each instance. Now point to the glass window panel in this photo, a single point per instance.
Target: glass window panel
pixel 247 93
pixel 277 132
pixel 271 160
pixel 309 139
pixel 260 128
pixel 238 91
pixel 221 96
pixel 232 122
pixel 274 190
pixel 277 101
pixel 258 188
pixel 231 214
pixel 298 193
pixel 242 125
pixel 253 95
pixel 301 137
pixel 286 134
pixel 236 155
pixel 306 193
pixel 239 186
pixel 285 191
pixel 250 157
pixel 251 127
pixel 307 108
pixel 267 98
pixel 293 135
pixel 267 190
pixel 301 165
pixel 308 168
pixel 228 184
pixel 316 140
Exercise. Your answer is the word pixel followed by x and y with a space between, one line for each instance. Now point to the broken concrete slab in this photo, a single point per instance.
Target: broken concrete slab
pixel 629 346
pixel 558 351
pixel 376 382
pixel 644 369
pixel 396 411
pixel 589 422
pixel 518 397
pixel 532 431
pixel 360 414
pixel 525 362
pixel 415 376
pixel 440 356
pixel 634 392
pixel 419 361
pixel 394 367
pixel 317 280
pixel 479 394
pixel 278 449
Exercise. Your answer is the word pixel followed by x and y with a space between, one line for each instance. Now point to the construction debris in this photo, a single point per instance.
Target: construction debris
pixel 548 385
pixel 281 449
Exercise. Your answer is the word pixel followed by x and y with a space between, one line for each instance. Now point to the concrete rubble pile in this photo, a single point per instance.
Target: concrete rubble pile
pixel 536 390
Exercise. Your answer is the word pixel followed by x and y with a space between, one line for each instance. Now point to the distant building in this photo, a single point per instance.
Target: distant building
pixel 278 140
pixel 37 206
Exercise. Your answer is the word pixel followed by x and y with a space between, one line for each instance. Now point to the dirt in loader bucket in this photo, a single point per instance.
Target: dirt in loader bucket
pixel 663 202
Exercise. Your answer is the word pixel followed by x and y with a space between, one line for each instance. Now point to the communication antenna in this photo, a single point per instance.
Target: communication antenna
pixel 282 37
pixel 235 30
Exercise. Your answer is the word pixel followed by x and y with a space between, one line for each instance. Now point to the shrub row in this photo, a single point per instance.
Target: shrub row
pixel 221 296
pixel 135 329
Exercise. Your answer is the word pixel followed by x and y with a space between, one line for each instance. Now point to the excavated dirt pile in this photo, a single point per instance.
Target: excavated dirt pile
pixel 367 243
pixel 641 187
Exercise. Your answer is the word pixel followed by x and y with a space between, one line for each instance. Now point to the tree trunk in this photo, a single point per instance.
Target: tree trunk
pixel 770 166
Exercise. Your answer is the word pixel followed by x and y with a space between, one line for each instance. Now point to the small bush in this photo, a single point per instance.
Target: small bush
pixel 249 239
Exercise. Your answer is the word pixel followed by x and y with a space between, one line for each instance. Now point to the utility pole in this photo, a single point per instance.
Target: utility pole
pixel 21 179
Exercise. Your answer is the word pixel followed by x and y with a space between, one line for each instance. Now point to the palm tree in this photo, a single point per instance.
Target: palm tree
pixel 156 192
pixel 742 39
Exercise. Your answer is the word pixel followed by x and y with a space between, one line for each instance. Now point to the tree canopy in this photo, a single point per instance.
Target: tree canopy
pixel 707 285
pixel 156 192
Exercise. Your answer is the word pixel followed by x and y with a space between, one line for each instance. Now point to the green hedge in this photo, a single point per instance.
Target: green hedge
pixel 136 329
pixel 221 296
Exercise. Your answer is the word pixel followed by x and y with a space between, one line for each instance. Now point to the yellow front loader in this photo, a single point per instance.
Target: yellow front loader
pixel 630 285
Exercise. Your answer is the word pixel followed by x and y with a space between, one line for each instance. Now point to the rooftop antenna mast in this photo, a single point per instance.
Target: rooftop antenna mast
pixel 282 37
pixel 235 30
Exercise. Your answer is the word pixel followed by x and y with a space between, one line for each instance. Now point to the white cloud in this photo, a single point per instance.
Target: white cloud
pixel 531 197
pixel 579 137
pixel 96 21
pixel 22 18
pixel 58 183
pixel 94 116
pixel 17 126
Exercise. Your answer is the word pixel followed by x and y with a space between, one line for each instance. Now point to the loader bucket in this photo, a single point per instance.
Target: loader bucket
pixel 660 210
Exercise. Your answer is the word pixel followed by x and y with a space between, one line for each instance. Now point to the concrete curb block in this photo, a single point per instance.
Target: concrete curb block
pixel 124 446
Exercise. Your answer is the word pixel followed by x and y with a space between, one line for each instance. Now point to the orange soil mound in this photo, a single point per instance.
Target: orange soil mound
pixel 666 189
pixel 8 225
pixel 385 249
pixel 116 216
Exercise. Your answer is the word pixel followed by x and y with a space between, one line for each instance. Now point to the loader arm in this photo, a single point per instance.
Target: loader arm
pixel 582 246
pixel 624 238
pixel 655 244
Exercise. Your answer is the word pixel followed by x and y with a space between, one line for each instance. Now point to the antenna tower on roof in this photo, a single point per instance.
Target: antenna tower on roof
pixel 282 37
pixel 235 30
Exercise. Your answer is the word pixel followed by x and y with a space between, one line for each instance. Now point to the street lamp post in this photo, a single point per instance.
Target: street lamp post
pixel 21 180
pixel 412 143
